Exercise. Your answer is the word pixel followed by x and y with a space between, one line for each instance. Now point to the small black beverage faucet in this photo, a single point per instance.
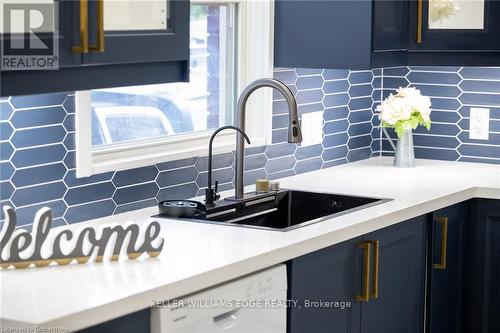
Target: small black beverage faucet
pixel 211 194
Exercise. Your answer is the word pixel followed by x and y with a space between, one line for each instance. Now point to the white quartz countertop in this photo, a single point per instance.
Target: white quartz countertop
pixel 197 256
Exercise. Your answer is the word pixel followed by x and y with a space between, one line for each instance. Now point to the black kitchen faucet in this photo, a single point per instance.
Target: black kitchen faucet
pixel 211 194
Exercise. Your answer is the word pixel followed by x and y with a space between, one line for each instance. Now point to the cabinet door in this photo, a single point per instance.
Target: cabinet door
pixel 390 32
pixel 57 34
pixel 130 57
pixel 69 22
pixel 322 34
pixel 139 31
pixel 445 268
pixel 390 25
pixel 331 274
pixel 399 307
pixel 458 25
pixel 136 322
pixel 482 267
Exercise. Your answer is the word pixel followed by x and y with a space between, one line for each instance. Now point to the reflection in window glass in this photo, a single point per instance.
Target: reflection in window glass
pixel 154 111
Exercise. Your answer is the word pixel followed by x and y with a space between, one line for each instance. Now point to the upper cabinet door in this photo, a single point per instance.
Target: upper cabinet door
pixel 455 25
pixel 110 43
pixel 53 30
pixel 390 32
pixel 131 31
pixel 68 26
pixel 323 34
pixel 390 25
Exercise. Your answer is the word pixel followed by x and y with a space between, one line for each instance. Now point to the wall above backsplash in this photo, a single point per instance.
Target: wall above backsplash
pixel 37 152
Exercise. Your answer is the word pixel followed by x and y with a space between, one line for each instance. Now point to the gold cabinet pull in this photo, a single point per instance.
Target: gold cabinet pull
pixel 365 293
pixel 84 34
pixel 444 242
pixel 419 21
pixel 376 251
pixel 99 47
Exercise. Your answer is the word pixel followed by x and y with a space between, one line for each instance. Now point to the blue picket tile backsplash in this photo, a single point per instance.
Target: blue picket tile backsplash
pixel 37 151
pixel 453 91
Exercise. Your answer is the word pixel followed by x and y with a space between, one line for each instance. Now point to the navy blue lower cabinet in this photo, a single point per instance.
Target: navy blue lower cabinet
pixel 445 269
pixel 482 267
pixel 381 274
pixel 331 274
pixel 137 322
pixel 397 299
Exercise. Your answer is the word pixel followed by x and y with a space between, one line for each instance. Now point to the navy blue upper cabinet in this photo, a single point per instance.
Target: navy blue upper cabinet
pixel 60 44
pixel 380 33
pixel 390 32
pixel 470 35
pixel 164 40
pixel 390 26
pixel 68 33
pixel 148 44
pixel 323 34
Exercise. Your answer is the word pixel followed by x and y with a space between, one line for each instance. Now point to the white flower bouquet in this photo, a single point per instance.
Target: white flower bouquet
pixel 405 110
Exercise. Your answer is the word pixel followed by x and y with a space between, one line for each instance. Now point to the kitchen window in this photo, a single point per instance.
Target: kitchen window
pixel 127 127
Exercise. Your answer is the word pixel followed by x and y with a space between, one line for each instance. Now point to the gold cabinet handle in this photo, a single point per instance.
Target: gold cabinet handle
pixel 419 21
pixel 99 47
pixel 376 252
pixel 444 242
pixel 84 34
pixel 365 293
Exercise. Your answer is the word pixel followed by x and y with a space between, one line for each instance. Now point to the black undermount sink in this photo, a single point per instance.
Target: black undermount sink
pixel 284 210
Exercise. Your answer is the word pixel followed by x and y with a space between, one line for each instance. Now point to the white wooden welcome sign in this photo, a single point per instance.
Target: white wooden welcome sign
pixel 41 247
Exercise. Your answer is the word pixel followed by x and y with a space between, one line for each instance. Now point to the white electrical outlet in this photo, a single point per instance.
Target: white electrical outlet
pixel 312 128
pixel 479 124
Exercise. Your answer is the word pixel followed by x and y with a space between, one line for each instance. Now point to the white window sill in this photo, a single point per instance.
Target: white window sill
pixel 129 156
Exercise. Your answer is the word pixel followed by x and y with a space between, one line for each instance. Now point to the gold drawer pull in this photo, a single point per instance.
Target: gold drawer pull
pixel 365 293
pixel 84 34
pixel 99 47
pixel 376 251
pixel 444 242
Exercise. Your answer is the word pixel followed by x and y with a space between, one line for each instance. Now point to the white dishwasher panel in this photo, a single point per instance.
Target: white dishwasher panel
pixel 252 304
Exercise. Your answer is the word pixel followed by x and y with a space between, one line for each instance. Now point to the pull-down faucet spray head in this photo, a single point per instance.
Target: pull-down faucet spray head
pixel 294 133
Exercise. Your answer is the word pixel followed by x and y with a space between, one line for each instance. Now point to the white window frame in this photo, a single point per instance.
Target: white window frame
pixel 255 35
